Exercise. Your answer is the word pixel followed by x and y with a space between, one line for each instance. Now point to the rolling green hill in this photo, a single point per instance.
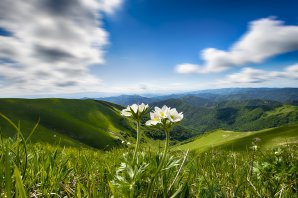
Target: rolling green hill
pixel 99 124
pixel 202 115
pixel 240 141
pixel 86 122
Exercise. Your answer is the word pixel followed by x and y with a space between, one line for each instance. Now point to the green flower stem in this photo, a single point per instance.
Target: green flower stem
pixel 164 152
pixel 138 142
pixel 163 157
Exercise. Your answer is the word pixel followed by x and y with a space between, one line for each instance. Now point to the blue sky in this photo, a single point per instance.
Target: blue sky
pixel 89 47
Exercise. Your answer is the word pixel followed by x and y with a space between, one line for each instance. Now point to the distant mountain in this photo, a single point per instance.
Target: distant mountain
pixel 125 100
pixel 283 95
pixel 218 95
pixel 275 94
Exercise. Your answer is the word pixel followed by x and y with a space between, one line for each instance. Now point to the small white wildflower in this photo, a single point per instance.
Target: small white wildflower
pixel 174 116
pixel 255 147
pixel 278 152
pixel 155 119
pixel 164 115
pixel 128 143
pixel 135 111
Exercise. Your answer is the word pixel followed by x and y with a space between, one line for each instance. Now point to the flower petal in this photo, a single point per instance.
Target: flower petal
pixel 126 113
pixel 134 108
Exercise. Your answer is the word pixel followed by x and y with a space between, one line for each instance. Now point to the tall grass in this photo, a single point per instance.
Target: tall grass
pixel 42 170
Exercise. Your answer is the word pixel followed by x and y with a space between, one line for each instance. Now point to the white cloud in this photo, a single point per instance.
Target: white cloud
pixel 52 44
pixel 265 38
pixel 187 68
pixel 251 76
pixel 293 70
pixel 110 5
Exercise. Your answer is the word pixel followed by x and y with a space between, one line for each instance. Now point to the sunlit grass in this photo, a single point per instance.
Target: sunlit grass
pixel 44 170
pixel 285 109
pixel 241 141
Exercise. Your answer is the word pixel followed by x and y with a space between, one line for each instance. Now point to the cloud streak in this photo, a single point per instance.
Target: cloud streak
pixel 52 44
pixel 265 38
pixel 251 76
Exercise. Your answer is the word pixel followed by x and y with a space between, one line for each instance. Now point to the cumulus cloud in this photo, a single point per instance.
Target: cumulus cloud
pixel 250 76
pixel 265 38
pixel 187 68
pixel 51 44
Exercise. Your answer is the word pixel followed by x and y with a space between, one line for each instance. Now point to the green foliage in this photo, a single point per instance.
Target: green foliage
pixel 282 169
pixel 42 170
pixel 178 133
pixel 131 176
pixel 54 171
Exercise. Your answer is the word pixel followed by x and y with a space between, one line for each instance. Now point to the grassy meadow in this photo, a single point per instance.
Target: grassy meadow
pixel 30 169
pixel 242 141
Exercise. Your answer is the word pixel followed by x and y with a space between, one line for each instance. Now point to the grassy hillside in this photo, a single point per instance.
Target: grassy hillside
pixel 202 115
pixel 93 123
pixel 240 141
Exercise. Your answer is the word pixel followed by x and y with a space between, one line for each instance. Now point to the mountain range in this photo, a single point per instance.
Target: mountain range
pixel 215 95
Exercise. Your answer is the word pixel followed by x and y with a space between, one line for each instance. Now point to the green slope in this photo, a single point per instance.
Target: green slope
pixel 89 122
pixel 242 115
pixel 242 140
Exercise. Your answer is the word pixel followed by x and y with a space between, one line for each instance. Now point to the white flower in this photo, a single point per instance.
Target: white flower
pixel 254 147
pixel 143 107
pixel 174 116
pixel 155 119
pixel 277 152
pixel 128 143
pixel 164 115
pixel 163 112
pixel 134 110
pixel 126 112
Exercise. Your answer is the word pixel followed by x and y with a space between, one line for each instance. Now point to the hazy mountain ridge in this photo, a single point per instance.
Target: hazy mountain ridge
pixel 215 95
pixel 125 100
pixel 274 94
